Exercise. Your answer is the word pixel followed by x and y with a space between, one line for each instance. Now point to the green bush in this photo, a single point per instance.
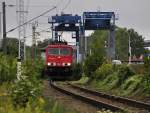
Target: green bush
pixel 91 64
pixel 111 80
pixel 77 71
pixel 124 73
pixel 132 84
pixel 38 105
pixel 36 66
pixel 146 83
pixel 103 71
pixel 23 90
pixel 122 80
pixel 29 86
pixel 146 62
pixel 8 68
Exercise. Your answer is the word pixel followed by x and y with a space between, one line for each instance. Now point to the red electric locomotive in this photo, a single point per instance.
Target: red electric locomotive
pixel 59 60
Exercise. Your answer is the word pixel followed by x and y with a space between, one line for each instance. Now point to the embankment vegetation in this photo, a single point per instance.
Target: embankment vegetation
pixel 124 79
pixel 24 95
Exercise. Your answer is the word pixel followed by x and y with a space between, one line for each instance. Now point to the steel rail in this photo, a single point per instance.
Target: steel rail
pixel 127 101
pixel 89 100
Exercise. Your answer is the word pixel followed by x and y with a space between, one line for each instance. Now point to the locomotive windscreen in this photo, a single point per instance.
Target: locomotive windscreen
pixel 53 51
pixel 59 51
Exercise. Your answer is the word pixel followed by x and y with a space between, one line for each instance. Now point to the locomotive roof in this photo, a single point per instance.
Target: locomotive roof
pixel 59 45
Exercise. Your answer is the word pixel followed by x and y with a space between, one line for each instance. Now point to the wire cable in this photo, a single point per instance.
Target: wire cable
pixel 32 19
pixel 68 3
pixel 41 30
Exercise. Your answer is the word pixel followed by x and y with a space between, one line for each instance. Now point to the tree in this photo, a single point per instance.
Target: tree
pixel 12 46
pixel 44 43
pixel 96 58
pixel 121 44
pixel 98 43
pixel 137 43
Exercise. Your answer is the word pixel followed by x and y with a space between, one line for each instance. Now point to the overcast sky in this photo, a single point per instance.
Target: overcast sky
pixel 132 13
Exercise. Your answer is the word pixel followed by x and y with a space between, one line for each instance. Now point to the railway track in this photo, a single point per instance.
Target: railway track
pixel 121 101
pixel 88 99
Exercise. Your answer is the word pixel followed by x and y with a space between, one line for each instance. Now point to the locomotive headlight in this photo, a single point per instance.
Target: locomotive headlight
pixel 68 64
pixel 48 64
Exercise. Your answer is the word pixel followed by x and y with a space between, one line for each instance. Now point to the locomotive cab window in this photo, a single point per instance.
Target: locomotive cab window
pixel 65 51
pixel 53 51
pixel 59 51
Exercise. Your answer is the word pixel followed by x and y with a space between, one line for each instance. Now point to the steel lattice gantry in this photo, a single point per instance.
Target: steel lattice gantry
pixel 90 21
pixel 101 21
pixel 65 22
pixel 21 31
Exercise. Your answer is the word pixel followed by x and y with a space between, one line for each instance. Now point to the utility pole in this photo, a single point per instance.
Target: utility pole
pixel 33 41
pixel 111 40
pixel 21 20
pixel 130 54
pixel 4 28
pixel 20 11
pixel 34 25
pixel 52 28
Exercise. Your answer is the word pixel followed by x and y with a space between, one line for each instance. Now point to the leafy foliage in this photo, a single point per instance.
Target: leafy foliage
pixel 122 43
pixel 103 71
pixel 146 82
pixel 43 44
pixel 137 43
pixel 38 105
pixel 121 80
pixel 124 73
pixel 29 86
pixel 147 62
pixel 12 46
pixel 91 64
pixel 132 84
pixel 99 43
pixel 25 95
pixel 8 68
pixel 119 77
pixel 97 46
pixel 147 74
pixel 77 71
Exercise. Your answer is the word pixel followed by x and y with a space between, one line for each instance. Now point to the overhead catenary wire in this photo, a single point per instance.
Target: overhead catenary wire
pixel 32 19
pixel 41 30
pixel 28 2
pixel 69 1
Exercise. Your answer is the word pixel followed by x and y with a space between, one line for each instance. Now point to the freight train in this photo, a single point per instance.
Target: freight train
pixel 59 60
